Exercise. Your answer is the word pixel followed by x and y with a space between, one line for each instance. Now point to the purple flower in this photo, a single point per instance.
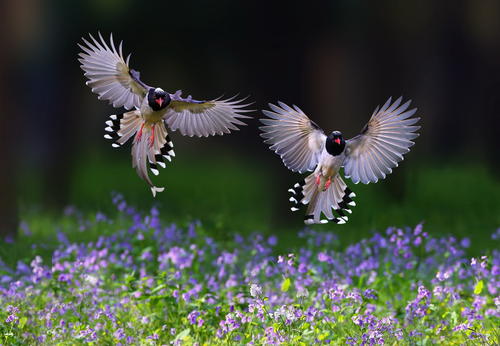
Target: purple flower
pixel 153 336
pixel 119 334
pixel 323 257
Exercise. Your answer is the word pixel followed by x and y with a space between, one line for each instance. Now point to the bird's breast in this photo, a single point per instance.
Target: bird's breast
pixel 330 165
pixel 151 116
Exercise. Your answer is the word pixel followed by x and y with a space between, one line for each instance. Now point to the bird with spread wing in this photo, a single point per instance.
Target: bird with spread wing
pixel 150 109
pixel 366 158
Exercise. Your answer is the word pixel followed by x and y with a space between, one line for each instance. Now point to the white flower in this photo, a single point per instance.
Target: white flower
pixel 302 292
pixel 255 290
pixel 91 279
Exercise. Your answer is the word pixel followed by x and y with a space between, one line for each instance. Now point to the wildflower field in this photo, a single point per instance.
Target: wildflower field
pixel 144 280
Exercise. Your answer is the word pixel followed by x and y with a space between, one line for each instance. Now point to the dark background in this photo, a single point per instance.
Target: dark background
pixel 337 60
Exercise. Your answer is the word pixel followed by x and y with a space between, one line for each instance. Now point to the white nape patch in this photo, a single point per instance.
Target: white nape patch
pixel 108 129
pixel 352 204
pixel 158 90
pixel 304 202
pixel 296 185
pixel 170 144
pixel 323 221
pixel 168 158
pixel 155 171
pixel 113 117
pixel 161 164
pixel 341 221
pixel 109 123
pixel 291 191
pixel 294 209
pixel 293 200
pixel 171 153
pixel 114 145
pixel 108 137
pixel 348 210
pixel 352 194
pixel 344 218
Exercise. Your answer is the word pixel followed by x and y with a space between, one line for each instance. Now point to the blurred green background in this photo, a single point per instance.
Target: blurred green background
pixel 337 60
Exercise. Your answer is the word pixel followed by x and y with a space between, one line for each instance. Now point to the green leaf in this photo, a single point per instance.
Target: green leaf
pixel 285 285
pixel 479 287
pixel 182 335
pixel 22 322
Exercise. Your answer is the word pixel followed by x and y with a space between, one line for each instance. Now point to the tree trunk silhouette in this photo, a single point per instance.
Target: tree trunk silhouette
pixel 8 199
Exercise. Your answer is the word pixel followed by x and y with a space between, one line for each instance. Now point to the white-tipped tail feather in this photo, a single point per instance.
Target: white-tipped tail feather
pixel 151 145
pixel 333 203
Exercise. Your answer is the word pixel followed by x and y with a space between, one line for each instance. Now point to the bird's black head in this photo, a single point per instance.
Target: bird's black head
pixel 158 99
pixel 335 143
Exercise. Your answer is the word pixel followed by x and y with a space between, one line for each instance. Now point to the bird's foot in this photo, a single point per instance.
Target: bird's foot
pixel 152 137
pixel 328 183
pixel 139 134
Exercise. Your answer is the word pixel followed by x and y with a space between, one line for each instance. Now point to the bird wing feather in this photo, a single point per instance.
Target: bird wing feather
pixel 204 118
pixel 109 75
pixel 384 140
pixel 292 135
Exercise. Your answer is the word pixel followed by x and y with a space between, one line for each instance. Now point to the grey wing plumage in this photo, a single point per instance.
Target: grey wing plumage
pixel 204 118
pixel 388 135
pixel 293 136
pixel 109 75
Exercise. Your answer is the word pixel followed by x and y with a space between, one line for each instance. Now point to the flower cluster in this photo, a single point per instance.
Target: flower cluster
pixel 146 282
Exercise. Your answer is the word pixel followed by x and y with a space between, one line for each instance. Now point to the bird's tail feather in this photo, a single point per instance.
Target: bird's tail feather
pixel 151 145
pixel 121 127
pixel 333 203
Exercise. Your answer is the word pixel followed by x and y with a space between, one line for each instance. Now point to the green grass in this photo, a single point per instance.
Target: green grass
pixel 243 195
pixel 105 292
pixel 231 196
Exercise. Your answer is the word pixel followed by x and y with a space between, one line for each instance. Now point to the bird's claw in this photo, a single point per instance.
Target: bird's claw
pixel 139 134
pixel 152 137
pixel 328 183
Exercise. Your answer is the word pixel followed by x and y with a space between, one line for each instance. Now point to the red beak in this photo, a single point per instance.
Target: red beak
pixel 337 140
pixel 159 101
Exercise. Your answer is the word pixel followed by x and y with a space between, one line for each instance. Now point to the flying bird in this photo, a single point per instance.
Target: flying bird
pixel 151 110
pixel 367 158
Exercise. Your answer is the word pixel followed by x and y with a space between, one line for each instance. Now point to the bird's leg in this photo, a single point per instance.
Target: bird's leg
pixel 328 183
pixel 152 136
pixel 139 133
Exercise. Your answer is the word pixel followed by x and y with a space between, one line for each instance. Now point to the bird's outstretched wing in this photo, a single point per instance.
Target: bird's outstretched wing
pixel 204 118
pixel 293 136
pixel 371 155
pixel 109 75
